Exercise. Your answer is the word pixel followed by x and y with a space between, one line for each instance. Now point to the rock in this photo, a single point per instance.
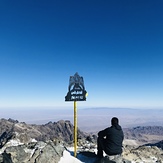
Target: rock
pixel 50 154
pixel 23 137
pixel 6 158
pixel 39 152
pixel 13 121
pixel 158 144
pixel 17 153
pixel 5 137
pixel 144 154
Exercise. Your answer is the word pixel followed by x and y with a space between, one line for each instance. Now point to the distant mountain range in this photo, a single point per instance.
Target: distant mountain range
pixel 89 119
pixel 96 119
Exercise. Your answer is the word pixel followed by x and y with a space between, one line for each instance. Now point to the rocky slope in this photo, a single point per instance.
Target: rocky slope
pixel 24 143
pixel 144 134
pixel 61 130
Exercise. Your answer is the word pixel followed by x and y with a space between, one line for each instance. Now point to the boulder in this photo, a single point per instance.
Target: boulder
pixel 50 154
pixel 34 152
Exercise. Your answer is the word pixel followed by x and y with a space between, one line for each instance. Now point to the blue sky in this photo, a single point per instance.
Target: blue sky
pixel 117 46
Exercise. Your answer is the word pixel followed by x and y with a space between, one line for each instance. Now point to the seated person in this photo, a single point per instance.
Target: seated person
pixel 110 139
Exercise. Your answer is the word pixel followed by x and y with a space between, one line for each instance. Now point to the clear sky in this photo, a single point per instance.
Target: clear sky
pixel 117 46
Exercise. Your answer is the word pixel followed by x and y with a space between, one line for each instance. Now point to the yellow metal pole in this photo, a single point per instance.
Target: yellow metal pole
pixel 75 128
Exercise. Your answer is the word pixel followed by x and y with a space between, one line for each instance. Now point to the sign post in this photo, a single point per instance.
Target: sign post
pixel 76 92
pixel 75 128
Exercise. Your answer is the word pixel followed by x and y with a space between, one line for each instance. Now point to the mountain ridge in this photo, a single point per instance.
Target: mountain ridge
pixel 89 119
pixel 31 143
pixel 63 130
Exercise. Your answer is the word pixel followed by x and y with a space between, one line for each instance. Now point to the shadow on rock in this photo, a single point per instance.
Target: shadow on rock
pixel 7 158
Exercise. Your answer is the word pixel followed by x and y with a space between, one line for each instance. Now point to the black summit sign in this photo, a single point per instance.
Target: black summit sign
pixel 76 89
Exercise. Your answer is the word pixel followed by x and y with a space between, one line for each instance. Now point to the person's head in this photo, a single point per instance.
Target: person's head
pixel 114 121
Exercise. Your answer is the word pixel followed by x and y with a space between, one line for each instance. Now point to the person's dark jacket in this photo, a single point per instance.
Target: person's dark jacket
pixel 114 138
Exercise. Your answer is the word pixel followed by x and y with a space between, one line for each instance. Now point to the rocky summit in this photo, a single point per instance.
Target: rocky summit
pixel 30 143
pixel 26 143
pixel 62 130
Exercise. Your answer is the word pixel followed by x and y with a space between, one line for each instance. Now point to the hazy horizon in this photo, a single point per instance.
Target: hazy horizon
pixel 89 119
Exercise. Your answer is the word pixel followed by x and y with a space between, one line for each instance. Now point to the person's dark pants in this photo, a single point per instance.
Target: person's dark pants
pixel 100 146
